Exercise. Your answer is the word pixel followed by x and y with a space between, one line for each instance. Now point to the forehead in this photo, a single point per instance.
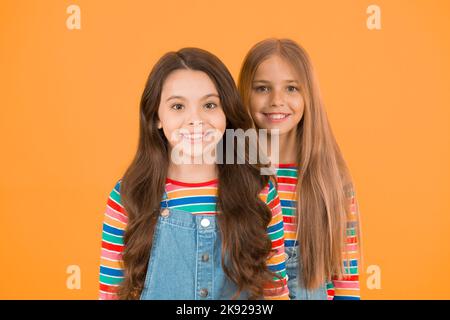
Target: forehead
pixel 275 68
pixel 188 83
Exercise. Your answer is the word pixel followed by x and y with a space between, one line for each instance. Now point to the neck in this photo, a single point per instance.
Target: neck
pixel 287 147
pixel 192 173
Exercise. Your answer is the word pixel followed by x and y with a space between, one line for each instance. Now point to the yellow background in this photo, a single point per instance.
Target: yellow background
pixel 69 123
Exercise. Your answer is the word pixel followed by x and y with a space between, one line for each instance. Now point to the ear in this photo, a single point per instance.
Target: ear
pixel 159 124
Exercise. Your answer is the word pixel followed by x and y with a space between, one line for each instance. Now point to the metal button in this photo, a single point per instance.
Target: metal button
pixel 204 293
pixel 205 222
pixel 205 257
pixel 165 213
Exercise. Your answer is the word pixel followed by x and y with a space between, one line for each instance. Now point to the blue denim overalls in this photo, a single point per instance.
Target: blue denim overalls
pixel 296 291
pixel 185 259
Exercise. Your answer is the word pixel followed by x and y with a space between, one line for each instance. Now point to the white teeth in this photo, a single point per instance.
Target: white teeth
pixel 277 116
pixel 194 136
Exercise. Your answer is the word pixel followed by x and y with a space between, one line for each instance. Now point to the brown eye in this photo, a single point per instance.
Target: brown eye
pixel 210 106
pixel 177 106
pixel 292 89
pixel 262 89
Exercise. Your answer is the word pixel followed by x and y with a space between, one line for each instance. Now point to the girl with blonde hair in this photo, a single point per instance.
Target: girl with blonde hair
pixel 280 90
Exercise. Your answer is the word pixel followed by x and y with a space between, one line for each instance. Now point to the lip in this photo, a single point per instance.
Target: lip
pixel 276 117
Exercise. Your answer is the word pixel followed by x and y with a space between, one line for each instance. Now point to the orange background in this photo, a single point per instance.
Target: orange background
pixel 69 123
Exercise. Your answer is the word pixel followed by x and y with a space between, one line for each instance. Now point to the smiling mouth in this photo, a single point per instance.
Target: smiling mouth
pixel 276 117
pixel 195 137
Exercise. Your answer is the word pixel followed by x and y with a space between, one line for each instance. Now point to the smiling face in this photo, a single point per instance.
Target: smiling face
pixel 190 112
pixel 275 99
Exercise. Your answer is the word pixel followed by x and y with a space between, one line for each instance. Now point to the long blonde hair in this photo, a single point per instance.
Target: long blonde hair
pixel 324 181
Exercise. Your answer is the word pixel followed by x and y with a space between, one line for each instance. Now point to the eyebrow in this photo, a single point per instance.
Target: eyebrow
pixel 175 97
pixel 266 81
pixel 211 95
pixel 183 98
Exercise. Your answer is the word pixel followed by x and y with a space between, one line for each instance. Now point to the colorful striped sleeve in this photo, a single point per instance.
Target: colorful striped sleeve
pixel 348 288
pixel 111 264
pixel 278 290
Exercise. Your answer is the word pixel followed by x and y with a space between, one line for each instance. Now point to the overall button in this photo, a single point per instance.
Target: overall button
pixel 205 257
pixel 204 293
pixel 165 213
pixel 205 223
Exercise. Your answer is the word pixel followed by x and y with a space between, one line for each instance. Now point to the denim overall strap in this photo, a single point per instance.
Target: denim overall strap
pixel 206 241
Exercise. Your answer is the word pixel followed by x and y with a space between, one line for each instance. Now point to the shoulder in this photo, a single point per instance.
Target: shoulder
pixel 114 195
pixel 349 189
pixel 116 214
pixel 269 193
pixel 351 202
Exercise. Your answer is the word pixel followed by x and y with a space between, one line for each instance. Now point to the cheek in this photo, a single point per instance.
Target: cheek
pixel 171 135
pixel 167 123
pixel 257 102
pixel 219 121
pixel 170 126
pixel 297 105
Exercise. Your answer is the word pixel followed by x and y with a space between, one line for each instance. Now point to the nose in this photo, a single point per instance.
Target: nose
pixel 277 98
pixel 195 118
pixel 195 123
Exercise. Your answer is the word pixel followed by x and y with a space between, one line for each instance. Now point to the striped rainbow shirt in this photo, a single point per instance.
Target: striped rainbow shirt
pixel 197 198
pixel 348 287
